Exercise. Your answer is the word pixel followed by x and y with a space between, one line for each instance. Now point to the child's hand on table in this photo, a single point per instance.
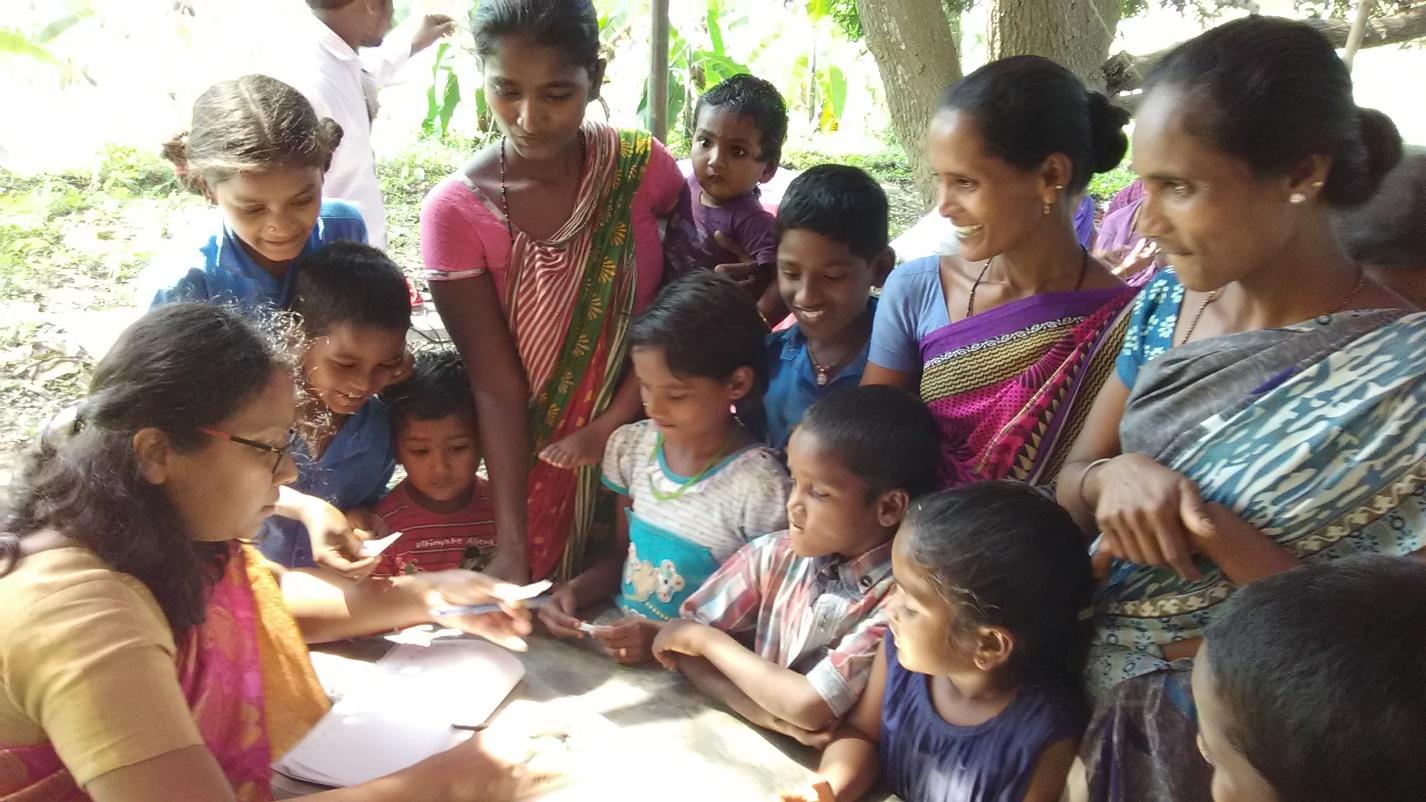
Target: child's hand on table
pixel 337 537
pixel 560 616
pixel 457 587
pixel 678 638
pixel 629 640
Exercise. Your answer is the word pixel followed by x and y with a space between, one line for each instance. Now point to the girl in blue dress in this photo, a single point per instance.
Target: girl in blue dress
pixel 974 696
pixel 257 151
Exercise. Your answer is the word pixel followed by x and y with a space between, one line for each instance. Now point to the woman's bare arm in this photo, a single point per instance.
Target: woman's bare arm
pixel 475 320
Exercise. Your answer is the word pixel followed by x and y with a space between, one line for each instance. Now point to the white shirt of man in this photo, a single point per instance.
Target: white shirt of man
pixel 342 84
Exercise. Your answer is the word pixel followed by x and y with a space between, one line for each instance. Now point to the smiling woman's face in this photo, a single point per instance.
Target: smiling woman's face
pixel 993 204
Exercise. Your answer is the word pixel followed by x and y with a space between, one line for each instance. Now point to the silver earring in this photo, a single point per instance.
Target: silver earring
pixel 1296 197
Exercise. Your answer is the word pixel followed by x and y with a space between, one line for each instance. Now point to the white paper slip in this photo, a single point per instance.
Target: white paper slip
pixel 404 712
pixel 532 590
pixel 374 548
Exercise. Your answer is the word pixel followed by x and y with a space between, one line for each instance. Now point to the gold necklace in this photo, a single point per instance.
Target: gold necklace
pixel 1083 271
pixel 1213 296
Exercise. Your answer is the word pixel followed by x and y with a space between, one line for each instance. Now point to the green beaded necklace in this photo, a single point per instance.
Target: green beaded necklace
pixel 692 480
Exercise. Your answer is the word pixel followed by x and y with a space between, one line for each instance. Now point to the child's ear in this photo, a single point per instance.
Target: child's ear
pixel 891 507
pixel 768 172
pixel 740 383
pixel 154 454
pixel 882 266
pixel 993 648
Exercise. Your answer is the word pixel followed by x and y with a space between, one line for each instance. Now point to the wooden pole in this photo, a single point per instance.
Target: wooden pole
pixel 1359 27
pixel 658 71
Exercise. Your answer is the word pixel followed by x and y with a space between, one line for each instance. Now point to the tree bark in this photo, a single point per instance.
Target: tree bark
pixel 1075 33
pixel 1124 72
pixel 917 58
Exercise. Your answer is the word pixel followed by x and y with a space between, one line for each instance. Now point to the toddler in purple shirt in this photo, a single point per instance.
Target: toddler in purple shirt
pixel 739 129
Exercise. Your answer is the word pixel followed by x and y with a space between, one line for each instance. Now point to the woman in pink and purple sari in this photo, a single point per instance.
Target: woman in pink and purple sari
pixel 1009 340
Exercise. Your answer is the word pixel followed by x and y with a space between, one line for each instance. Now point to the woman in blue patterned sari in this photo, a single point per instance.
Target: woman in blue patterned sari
pixel 1270 401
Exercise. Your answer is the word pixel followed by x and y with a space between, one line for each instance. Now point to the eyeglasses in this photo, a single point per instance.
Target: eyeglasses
pixel 278 452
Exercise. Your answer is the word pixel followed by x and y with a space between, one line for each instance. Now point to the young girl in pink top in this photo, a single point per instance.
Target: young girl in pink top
pixel 539 251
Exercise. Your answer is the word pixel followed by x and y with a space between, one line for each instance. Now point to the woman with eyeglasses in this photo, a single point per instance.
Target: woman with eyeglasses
pixel 147 651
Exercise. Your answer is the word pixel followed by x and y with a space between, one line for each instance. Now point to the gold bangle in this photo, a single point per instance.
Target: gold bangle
pixel 1091 466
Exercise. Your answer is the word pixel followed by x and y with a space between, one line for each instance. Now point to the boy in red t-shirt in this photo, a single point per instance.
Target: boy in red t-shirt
pixel 442 508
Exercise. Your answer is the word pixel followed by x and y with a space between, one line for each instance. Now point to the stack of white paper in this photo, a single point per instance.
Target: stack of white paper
pixel 406 711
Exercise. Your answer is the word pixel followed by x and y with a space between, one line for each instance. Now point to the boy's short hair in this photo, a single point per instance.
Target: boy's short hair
pixel 1320 672
pixel 884 436
pixel 348 282
pixel 841 203
pixel 749 96
pixel 437 387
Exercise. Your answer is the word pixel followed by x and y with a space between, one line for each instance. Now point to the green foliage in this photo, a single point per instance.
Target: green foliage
pixel 35 47
pixel 408 176
pixel 833 83
pixel 1105 185
pixel 692 71
pixel 1207 10
pixel 443 95
pixel 126 172
pixel 887 165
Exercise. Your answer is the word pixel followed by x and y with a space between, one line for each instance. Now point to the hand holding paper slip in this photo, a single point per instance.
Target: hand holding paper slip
pixel 374 548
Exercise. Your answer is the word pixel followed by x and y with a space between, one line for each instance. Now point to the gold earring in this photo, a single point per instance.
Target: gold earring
pixel 1050 204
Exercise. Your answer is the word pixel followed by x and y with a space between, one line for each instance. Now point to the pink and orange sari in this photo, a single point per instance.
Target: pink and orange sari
pixel 247 678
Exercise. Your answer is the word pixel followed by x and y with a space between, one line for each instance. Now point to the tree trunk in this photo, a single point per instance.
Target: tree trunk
pixel 917 58
pixel 1075 33
pixel 1124 72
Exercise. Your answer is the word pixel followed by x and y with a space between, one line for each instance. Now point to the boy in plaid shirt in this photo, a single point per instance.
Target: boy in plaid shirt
pixel 813 597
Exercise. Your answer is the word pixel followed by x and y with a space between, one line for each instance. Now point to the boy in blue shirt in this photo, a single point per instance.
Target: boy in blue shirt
pixel 352 304
pixel 832 248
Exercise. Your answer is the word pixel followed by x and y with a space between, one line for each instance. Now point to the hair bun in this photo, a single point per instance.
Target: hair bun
pixel 1363 160
pixel 1108 142
pixel 1382 141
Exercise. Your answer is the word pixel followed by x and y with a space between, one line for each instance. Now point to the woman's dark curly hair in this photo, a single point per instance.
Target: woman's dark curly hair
pixel 180 367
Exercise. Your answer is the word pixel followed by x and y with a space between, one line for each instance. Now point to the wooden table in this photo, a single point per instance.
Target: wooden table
pixel 667 741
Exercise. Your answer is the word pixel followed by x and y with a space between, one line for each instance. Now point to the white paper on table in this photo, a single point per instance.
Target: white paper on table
pixel 404 711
